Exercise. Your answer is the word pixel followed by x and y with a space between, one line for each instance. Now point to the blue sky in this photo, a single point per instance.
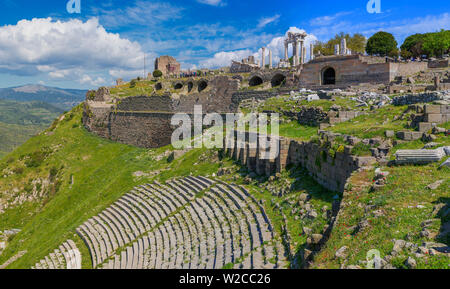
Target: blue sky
pixel 40 42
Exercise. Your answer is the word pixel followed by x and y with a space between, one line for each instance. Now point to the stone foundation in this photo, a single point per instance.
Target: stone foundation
pixel 332 172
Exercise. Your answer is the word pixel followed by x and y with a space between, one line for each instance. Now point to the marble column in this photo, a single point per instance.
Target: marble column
pixel 270 59
pixel 286 51
pixel 303 53
pixel 343 46
pixel 311 52
pixel 336 49
pixel 295 53
pixel 263 58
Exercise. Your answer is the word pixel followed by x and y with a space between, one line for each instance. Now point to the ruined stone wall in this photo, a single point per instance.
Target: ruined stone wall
pixel 240 96
pixel 141 129
pixel 405 69
pixel 418 98
pixel 438 63
pixel 217 97
pixel 350 70
pixel 145 103
pixel 332 172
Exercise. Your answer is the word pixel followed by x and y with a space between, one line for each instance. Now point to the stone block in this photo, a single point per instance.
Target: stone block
pixel 433 117
pixel 425 126
pixel 404 135
pixel 415 135
pixel 445 109
pixel 432 109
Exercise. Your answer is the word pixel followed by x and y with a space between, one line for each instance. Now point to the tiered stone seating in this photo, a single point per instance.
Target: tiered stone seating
pixel 172 225
pixel 67 256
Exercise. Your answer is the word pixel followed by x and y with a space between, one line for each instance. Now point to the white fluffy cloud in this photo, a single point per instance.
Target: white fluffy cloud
pixel 63 48
pixel 224 58
pixel 276 45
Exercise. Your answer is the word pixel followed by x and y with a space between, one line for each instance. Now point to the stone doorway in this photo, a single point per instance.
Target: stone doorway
pixel 329 76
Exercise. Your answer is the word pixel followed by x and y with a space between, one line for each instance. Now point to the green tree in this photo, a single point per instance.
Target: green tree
pixel 157 73
pixel 381 43
pixel 355 43
pixel 437 44
pixel 413 45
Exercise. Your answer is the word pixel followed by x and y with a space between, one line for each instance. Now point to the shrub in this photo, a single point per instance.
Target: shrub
pixel 18 170
pixel 157 73
pixel 133 83
pixel 35 159
pixel 361 149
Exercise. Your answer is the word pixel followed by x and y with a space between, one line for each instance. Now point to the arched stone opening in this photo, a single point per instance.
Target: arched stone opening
pixel 158 86
pixel 278 80
pixel 178 85
pixel 202 85
pixel 329 76
pixel 255 81
pixel 190 86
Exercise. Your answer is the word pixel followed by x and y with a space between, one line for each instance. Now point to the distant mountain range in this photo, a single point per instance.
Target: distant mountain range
pixel 62 98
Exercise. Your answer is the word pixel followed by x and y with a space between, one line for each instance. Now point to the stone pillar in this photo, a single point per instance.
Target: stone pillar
pixel 286 51
pixel 296 53
pixel 336 49
pixel 270 59
pixel 437 81
pixel 263 57
pixel 343 46
pixel 311 52
pixel 303 54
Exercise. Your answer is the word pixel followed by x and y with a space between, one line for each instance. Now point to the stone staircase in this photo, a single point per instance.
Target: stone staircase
pixel 189 223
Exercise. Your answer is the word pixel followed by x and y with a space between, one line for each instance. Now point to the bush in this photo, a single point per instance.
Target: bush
pixel 157 73
pixel 35 159
pixel 18 170
pixel 133 83
pixel 361 149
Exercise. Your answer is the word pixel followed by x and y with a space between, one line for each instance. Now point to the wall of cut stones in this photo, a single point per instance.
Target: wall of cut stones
pixel 420 98
pixel 332 172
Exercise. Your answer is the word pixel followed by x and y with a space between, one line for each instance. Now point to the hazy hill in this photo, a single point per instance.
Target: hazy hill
pixel 63 98
pixel 21 120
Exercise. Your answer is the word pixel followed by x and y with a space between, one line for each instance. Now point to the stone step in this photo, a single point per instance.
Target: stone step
pixel 219 258
pixel 128 226
pixel 224 217
pixel 147 218
pixel 117 226
pixel 101 235
pixel 129 214
pixel 113 238
pixel 93 248
pixel 201 235
pixel 242 247
pixel 180 186
pixel 154 208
